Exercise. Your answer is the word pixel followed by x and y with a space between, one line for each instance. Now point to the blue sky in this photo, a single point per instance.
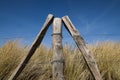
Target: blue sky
pixel 96 20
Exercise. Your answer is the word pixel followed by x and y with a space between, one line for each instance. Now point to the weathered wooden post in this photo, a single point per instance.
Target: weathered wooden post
pixel 58 60
pixel 88 56
pixel 34 46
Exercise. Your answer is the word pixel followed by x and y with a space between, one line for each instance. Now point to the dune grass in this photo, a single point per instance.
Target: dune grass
pixel 106 54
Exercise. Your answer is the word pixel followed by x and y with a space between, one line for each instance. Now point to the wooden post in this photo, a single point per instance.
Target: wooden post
pixel 88 56
pixel 58 60
pixel 34 45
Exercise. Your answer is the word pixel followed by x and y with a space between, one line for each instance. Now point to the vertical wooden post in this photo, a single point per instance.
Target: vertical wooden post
pixel 34 46
pixel 88 56
pixel 58 60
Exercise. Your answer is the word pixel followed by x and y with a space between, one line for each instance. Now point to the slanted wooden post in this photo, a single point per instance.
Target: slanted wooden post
pixel 88 56
pixel 58 60
pixel 34 46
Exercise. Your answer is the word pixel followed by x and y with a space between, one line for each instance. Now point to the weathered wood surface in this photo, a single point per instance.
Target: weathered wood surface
pixel 34 46
pixel 88 56
pixel 58 58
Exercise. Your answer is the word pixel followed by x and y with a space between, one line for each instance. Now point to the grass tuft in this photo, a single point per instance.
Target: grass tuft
pixel 106 54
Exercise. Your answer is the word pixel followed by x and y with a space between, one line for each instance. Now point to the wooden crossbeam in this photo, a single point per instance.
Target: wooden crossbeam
pixel 88 56
pixel 33 47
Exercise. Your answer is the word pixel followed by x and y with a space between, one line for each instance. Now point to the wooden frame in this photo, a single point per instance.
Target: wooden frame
pixel 58 58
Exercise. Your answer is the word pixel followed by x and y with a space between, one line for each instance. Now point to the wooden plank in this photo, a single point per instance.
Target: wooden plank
pixel 58 58
pixel 34 46
pixel 88 56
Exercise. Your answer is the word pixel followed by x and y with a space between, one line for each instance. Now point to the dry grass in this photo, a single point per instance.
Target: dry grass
pixel 107 56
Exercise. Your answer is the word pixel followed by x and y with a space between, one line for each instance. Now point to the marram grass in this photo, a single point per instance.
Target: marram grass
pixel 106 54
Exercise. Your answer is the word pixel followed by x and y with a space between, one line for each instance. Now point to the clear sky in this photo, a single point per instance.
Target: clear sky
pixel 96 20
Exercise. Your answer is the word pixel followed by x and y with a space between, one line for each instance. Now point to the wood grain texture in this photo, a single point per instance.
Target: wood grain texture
pixel 33 47
pixel 58 58
pixel 88 56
